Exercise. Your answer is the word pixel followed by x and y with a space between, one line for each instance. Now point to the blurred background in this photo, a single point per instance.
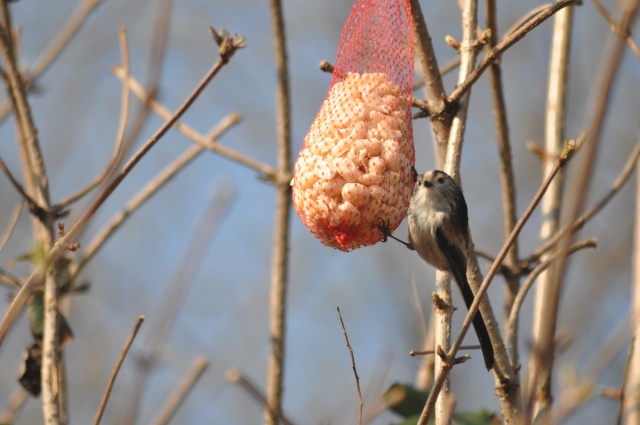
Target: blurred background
pixel 224 317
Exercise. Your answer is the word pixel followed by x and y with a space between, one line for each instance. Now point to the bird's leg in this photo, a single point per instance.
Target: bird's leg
pixel 384 228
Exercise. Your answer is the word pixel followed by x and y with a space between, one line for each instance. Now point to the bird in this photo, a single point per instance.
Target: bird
pixel 438 222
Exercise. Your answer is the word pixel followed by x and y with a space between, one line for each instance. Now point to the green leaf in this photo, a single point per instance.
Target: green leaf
pixel 35 315
pixel 479 417
pixel 404 400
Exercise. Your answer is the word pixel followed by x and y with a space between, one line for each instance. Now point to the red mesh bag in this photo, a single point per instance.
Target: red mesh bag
pixel 355 166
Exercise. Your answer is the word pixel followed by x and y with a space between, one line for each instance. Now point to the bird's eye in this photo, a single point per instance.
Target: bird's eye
pixel 425 183
pixel 440 179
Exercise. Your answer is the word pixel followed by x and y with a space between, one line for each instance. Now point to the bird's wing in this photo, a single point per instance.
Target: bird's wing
pixel 446 239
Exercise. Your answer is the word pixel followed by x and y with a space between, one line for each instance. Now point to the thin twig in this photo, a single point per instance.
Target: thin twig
pixel 173 296
pixel 34 170
pixel 13 221
pixel 159 36
pixel 119 150
pixel 32 203
pixel 615 28
pixel 625 377
pixel 571 398
pixel 268 171
pixel 494 53
pixel 417 305
pixel 16 402
pixel 424 375
pixel 353 366
pixel 234 376
pixel 507 177
pixel 114 374
pixel 619 182
pixel 228 46
pixel 512 324
pixel 445 69
pixel 150 189
pixel 122 144
pixel 524 19
pixel 9 279
pixel 183 389
pixel 53 50
pixel 473 309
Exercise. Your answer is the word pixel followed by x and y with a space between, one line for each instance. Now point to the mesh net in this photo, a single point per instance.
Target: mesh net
pixel 355 166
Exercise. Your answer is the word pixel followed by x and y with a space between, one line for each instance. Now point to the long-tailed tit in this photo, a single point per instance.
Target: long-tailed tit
pixel 439 231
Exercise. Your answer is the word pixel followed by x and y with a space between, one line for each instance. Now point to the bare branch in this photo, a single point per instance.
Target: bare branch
pixel 150 189
pixel 627 170
pixel 512 324
pixel 15 405
pixel 507 176
pixel 280 256
pixel 181 392
pixel 616 29
pixel 11 225
pixel 173 296
pixel 228 45
pixel 268 171
pixel 494 53
pixel 234 376
pixel 353 366
pixel 114 374
pixel 434 87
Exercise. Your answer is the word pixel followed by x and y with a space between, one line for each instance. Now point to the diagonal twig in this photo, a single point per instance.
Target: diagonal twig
pixel 114 374
pixel 353 366
pixel 150 189
pixel 182 390
pixel 234 376
pixel 494 53
pixel 227 47
pixel 268 171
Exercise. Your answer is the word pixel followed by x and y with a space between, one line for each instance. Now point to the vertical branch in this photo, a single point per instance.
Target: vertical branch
pixel 37 183
pixel 611 59
pixel 50 353
pixel 275 362
pixel 468 55
pixel 630 403
pixel 506 165
pixel 552 201
pixel 37 187
pixel 440 122
pixel 443 307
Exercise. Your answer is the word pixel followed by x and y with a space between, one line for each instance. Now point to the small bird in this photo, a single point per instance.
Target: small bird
pixel 439 231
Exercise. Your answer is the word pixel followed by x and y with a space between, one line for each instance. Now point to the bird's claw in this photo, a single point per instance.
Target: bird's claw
pixel 384 228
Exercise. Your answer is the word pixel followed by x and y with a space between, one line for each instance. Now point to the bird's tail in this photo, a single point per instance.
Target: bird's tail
pixel 478 322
